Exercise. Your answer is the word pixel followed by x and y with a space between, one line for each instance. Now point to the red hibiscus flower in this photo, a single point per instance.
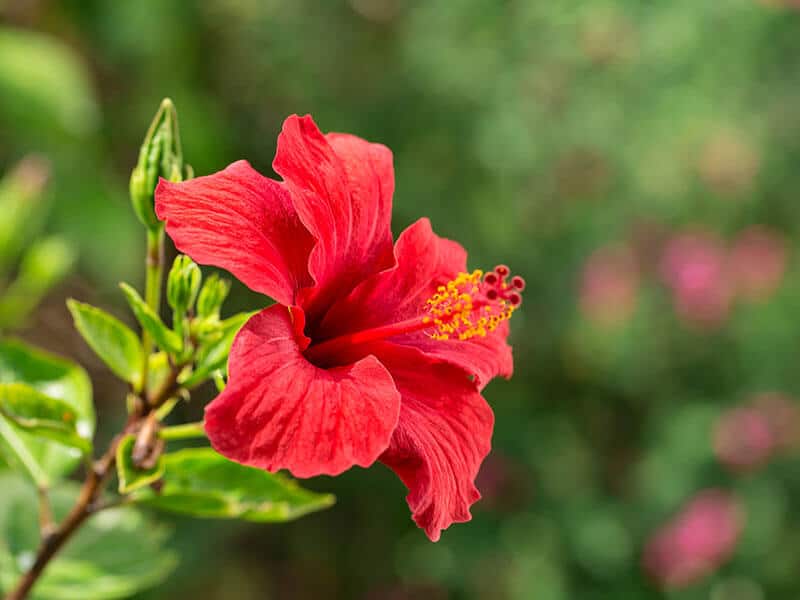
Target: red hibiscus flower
pixel 373 352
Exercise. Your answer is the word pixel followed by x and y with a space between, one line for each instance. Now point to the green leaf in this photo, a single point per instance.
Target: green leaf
pixel 165 338
pixel 158 370
pixel 58 379
pixel 117 552
pixel 42 415
pixel 215 355
pixel 130 476
pixel 202 483
pixel 111 340
pixel 19 454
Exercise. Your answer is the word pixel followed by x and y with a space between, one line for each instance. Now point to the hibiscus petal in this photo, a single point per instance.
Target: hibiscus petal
pixel 442 437
pixel 484 357
pixel 424 261
pixel 241 221
pixel 281 412
pixel 342 189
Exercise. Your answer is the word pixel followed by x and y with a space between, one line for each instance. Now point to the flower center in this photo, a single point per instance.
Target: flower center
pixel 472 304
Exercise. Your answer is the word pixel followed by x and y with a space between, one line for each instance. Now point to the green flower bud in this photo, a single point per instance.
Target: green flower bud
pixel 175 174
pixel 141 198
pixel 207 330
pixel 213 294
pixel 183 283
pixel 21 207
pixel 159 156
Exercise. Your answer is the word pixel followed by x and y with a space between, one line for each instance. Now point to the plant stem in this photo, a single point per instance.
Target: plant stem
pixel 46 521
pixel 154 270
pixel 91 490
pixel 185 431
pixel 155 264
pixel 51 544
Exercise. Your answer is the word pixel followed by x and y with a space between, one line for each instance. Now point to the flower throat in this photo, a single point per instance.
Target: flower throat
pixel 471 305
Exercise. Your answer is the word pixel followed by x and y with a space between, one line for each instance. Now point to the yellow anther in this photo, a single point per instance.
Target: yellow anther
pixel 450 309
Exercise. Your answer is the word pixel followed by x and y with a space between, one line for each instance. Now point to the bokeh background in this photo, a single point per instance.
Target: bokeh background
pixel 638 161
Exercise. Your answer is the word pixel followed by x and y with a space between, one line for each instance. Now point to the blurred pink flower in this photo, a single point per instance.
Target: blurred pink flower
pixel 693 265
pixel 744 439
pixel 757 262
pixel 748 436
pixel 783 416
pixel 696 541
pixel 610 285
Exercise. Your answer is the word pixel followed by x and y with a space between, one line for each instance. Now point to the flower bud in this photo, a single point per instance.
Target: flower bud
pixel 159 156
pixel 207 330
pixel 21 191
pixel 183 283
pixel 213 294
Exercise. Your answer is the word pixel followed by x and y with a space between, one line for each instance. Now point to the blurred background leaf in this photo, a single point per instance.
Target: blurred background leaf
pixel 116 554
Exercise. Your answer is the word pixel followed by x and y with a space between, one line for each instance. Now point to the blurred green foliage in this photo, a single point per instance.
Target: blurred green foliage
pixel 29 266
pixel 125 547
pixel 535 133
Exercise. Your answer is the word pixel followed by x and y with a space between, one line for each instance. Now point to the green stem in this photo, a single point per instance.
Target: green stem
pixel 155 268
pixel 86 505
pixel 154 271
pixel 186 431
pixel 46 519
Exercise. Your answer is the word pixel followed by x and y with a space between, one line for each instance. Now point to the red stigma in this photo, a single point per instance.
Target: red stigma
pixel 496 287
